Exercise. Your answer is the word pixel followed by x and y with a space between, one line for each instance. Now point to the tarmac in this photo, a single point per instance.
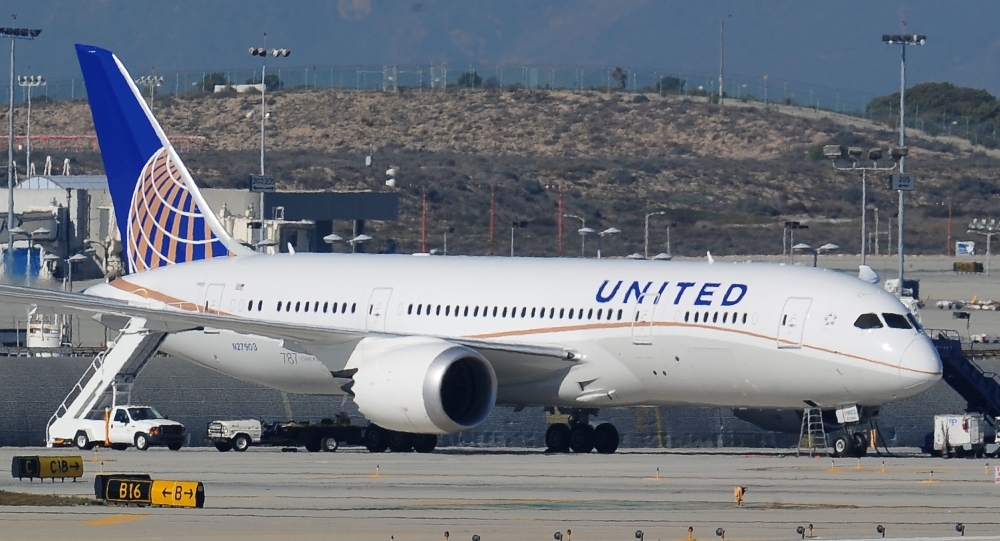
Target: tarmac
pixel 524 494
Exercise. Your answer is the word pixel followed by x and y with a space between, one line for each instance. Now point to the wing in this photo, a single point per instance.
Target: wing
pixel 511 361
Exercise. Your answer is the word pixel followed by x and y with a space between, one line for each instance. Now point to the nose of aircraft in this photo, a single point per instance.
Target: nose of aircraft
pixel 920 364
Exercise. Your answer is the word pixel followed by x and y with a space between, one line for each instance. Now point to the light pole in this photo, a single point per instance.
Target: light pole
pixel 104 257
pixel 645 250
pixel 14 34
pixel 55 260
pixel 981 227
pixel 152 81
pixel 875 236
pixel 333 237
pixel 853 154
pixel 29 82
pixel 828 247
pixel 583 238
pixel 790 227
pixel 600 235
pixel 902 41
pixel 262 52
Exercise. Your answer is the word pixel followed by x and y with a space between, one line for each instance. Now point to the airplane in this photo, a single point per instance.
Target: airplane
pixel 430 345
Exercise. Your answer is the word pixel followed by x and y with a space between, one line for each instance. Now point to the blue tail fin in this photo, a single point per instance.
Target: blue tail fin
pixel 162 217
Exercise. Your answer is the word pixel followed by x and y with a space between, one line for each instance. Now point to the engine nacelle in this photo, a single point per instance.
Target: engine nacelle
pixel 423 385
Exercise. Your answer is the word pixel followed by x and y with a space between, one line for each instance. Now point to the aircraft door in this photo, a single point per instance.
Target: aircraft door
pixel 213 297
pixel 792 323
pixel 642 323
pixel 378 306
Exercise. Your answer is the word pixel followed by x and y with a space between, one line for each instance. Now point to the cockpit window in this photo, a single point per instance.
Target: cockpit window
pixel 913 321
pixel 897 321
pixel 868 321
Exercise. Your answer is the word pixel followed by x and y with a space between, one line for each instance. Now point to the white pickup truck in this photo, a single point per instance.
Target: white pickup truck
pixel 141 426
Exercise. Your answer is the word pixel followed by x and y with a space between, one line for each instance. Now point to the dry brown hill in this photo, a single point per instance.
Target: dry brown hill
pixel 727 175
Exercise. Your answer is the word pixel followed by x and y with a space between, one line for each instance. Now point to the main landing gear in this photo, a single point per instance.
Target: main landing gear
pixel 573 432
pixel 378 440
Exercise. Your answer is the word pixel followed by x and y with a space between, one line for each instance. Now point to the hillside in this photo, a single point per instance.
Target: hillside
pixel 728 176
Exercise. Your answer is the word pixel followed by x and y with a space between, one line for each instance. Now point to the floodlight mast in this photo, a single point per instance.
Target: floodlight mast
pixel 14 34
pixel 854 154
pixel 902 40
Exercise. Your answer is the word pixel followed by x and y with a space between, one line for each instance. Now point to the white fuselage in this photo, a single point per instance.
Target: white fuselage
pixel 648 332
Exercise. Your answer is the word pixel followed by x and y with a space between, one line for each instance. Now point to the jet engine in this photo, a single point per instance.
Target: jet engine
pixel 423 385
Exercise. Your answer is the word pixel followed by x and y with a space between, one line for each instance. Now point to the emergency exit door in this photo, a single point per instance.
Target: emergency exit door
pixel 792 323
pixel 213 297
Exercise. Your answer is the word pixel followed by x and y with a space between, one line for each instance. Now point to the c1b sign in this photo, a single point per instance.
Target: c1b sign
pixel 904 182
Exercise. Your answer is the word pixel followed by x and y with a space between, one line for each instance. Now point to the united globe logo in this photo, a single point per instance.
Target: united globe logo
pixel 165 225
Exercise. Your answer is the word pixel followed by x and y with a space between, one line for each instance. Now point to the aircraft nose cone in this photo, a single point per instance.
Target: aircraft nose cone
pixel 920 364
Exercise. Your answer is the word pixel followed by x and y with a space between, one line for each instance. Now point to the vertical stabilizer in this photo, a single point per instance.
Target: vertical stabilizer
pixel 162 217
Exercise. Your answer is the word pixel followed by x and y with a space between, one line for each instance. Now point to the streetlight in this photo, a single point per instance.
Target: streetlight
pixel 103 261
pixel 152 81
pixel 262 52
pixel 902 41
pixel 14 34
pixel 263 245
pixel 790 227
pixel 853 154
pixel 600 235
pixel 583 238
pixel 29 82
pixel 828 247
pixel 645 250
pixel 333 238
pixel 981 227
pixel 55 260
pixel 875 209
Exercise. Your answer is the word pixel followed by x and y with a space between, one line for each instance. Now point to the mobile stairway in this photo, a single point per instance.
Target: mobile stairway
pixel 981 390
pixel 106 382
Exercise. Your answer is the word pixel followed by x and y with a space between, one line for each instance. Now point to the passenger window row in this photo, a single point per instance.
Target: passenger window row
pixel 732 318
pixel 600 314
pixel 307 306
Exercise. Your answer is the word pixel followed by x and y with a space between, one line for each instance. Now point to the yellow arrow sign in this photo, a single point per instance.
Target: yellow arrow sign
pixel 177 493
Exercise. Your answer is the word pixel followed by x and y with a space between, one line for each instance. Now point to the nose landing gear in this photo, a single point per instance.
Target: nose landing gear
pixel 850 444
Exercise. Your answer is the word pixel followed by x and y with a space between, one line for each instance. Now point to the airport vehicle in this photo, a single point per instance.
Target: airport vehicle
pixel 326 435
pixel 123 427
pixel 429 345
pixel 962 435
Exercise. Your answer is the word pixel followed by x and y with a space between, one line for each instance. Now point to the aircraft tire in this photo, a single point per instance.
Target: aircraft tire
pixel 605 438
pixel 557 438
pixel 860 444
pixel 376 439
pixel 843 445
pixel 424 443
pixel 581 438
pixel 400 442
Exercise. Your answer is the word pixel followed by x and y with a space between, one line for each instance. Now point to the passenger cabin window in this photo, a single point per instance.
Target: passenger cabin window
pixel 260 305
pixel 868 321
pixel 896 321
